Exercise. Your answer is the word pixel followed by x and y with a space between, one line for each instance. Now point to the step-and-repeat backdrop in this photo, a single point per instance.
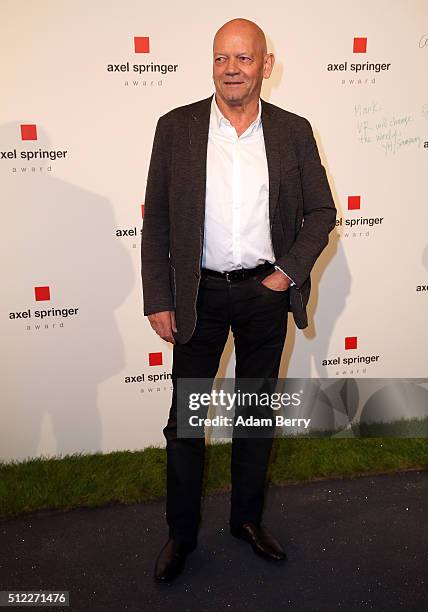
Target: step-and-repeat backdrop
pixel 83 85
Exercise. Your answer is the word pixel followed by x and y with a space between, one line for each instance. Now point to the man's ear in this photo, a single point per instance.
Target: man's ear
pixel 268 64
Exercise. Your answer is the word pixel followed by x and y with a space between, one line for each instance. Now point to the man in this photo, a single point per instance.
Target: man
pixel 237 210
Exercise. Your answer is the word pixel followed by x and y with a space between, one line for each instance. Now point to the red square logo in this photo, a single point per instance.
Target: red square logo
pixel 155 359
pixel 42 294
pixel 142 211
pixel 360 45
pixel 142 44
pixel 28 132
pixel 350 343
pixel 354 202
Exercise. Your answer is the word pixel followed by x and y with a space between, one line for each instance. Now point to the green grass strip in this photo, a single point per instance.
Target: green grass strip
pixel 98 479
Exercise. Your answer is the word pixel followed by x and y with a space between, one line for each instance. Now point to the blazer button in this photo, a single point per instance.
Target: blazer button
pixel 197 275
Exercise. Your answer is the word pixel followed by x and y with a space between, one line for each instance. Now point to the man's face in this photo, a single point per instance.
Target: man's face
pixel 239 66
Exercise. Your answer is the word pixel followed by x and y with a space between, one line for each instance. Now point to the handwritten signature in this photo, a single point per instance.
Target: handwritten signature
pixel 423 42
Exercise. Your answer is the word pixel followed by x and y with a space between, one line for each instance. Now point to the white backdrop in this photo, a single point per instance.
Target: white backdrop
pixel 90 375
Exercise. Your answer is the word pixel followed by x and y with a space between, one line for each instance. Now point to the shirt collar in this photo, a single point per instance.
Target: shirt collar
pixel 219 120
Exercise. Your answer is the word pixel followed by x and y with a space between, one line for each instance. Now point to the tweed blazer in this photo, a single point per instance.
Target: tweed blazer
pixel 301 208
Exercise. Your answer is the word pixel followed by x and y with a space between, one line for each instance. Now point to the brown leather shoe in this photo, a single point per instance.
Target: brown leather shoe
pixel 171 560
pixel 262 542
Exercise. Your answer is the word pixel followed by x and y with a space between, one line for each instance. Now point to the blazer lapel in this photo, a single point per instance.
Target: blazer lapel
pixel 273 155
pixel 199 121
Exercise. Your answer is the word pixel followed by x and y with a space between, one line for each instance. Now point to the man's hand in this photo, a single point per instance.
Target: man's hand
pixel 277 281
pixel 164 324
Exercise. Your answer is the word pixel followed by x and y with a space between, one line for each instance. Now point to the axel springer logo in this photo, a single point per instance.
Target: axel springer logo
pixel 155 359
pixel 353 72
pixel 42 294
pixel 152 380
pixel 354 202
pixel 355 225
pixel 46 317
pixel 129 234
pixel 360 45
pixel 350 364
pixel 29 132
pixel 31 159
pixel 153 72
pixel 351 342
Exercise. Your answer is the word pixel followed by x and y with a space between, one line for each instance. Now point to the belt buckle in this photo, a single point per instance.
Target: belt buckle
pixel 235 275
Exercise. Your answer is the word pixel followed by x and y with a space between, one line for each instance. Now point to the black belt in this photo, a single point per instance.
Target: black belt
pixel 237 275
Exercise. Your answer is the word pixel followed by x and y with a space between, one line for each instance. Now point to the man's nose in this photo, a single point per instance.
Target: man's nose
pixel 232 67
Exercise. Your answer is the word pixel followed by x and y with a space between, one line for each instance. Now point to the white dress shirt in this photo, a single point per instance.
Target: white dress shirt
pixel 237 230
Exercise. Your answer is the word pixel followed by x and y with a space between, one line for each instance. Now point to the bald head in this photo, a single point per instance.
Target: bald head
pixel 240 63
pixel 242 28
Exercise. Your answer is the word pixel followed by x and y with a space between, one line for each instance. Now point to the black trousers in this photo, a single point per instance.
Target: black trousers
pixel 258 319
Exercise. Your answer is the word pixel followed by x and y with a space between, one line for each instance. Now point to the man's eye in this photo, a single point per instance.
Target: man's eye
pixel 219 59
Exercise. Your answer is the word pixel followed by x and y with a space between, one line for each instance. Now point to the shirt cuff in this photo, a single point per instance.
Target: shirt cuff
pixel 292 283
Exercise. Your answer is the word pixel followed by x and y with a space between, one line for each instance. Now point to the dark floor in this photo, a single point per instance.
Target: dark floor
pixel 352 544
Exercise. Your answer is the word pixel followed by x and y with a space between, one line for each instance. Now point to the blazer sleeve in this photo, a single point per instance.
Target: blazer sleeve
pixel 319 214
pixel 155 264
